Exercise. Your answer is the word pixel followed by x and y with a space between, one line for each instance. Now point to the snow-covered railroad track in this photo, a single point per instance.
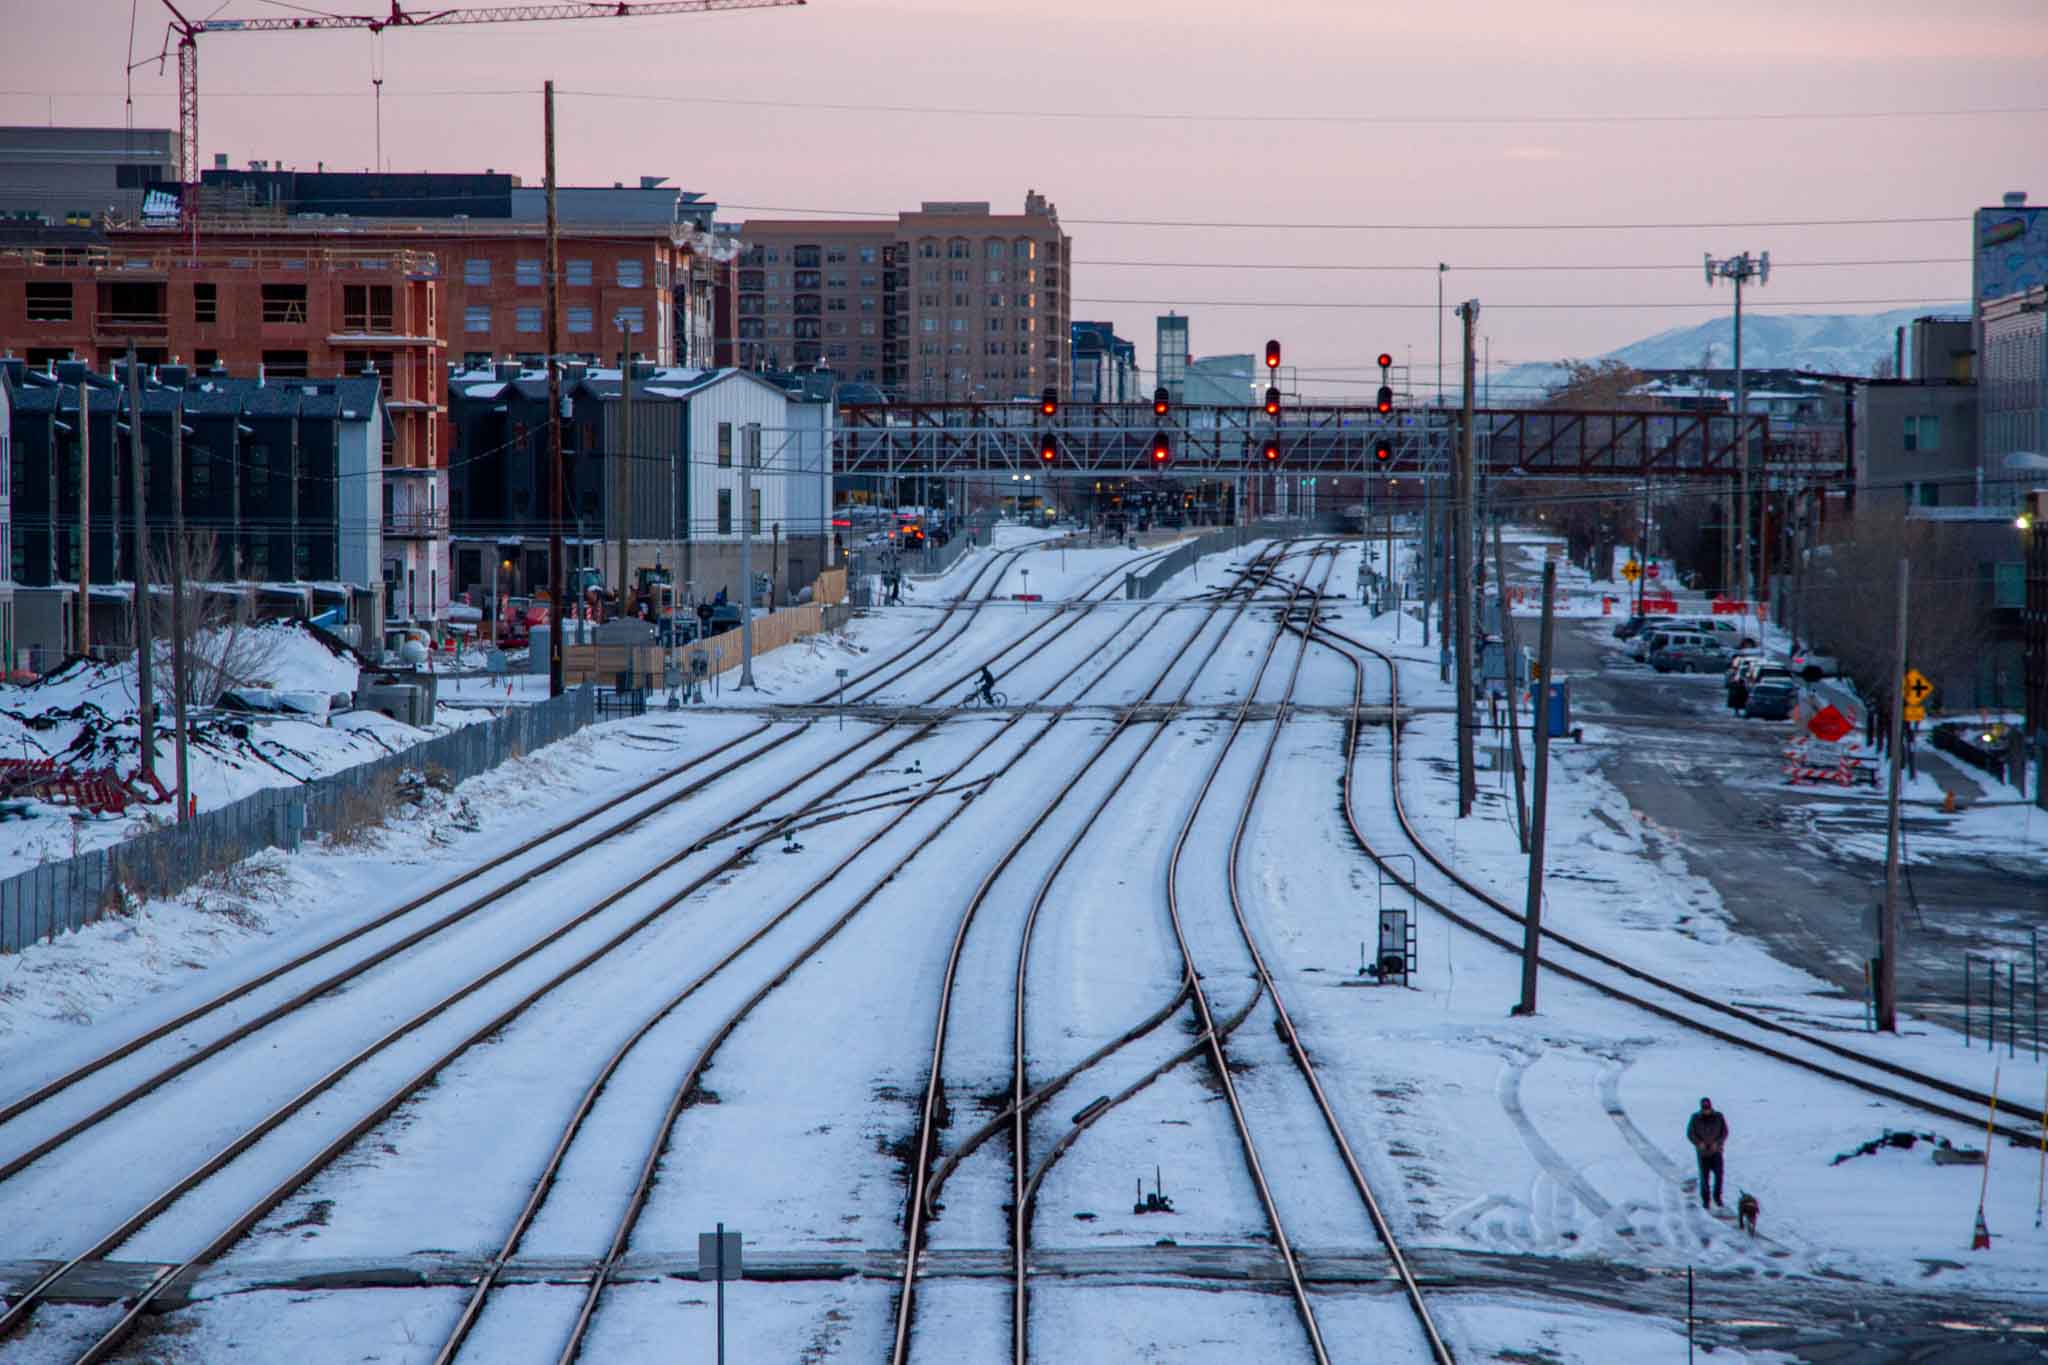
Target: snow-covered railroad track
pixel 688 1089
pixel 919 1207
pixel 521 874
pixel 30 1299
pixel 1632 985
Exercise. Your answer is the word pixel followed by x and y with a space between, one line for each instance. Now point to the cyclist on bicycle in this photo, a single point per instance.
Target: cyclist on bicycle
pixel 987 690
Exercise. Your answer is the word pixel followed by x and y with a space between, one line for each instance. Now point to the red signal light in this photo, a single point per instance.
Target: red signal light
pixel 1386 400
pixel 1159 401
pixel 1048 448
pixel 1383 452
pixel 1272 355
pixel 1049 403
pixel 1386 361
pixel 1272 402
pixel 1271 450
pixel 1161 451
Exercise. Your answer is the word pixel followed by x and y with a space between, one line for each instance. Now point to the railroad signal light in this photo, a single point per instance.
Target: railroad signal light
pixel 1272 401
pixel 1383 452
pixel 1386 361
pixel 1386 400
pixel 1162 451
pixel 1049 402
pixel 1048 448
pixel 1272 355
pixel 1271 450
pixel 1159 401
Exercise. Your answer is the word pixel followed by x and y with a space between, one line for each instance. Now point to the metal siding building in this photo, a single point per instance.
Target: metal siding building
pixel 53 175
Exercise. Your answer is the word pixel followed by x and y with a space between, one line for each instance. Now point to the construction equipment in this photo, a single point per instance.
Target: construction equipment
pixel 187 32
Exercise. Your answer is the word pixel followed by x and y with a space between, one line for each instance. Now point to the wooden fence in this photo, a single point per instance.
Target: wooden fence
pixel 602 664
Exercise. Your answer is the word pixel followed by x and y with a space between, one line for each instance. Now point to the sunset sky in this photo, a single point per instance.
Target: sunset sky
pixel 1479 122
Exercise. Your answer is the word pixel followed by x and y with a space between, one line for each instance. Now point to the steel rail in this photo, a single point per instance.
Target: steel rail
pixel 934 1096
pixel 1020 1106
pixel 263 1019
pixel 1218 1060
pixel 2032 1117
pixel 28 1300
pixel 544 1183
pixel 58 1084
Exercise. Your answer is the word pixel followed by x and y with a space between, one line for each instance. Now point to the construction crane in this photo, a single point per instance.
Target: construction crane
pixel 187 32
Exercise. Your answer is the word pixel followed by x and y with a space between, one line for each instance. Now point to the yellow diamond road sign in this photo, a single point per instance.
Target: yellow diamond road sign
pixel 1918 689
pixel 1631 571
pixel 1916 714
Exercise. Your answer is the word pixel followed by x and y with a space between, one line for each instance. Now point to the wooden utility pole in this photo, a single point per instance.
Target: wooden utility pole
pixel 1510 652
pixel 558 578
pixel 1888 924
pixel 1532 913
pixel 1461 573
pixel 145 670
pixel 622 495
pixel 179 623
pixel 83 634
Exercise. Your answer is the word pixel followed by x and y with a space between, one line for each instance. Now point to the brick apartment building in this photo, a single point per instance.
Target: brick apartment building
pixel 951 303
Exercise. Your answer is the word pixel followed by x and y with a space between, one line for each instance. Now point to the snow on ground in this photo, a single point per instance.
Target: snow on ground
pixel 86 715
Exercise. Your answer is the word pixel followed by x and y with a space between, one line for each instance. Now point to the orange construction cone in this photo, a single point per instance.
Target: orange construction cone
pixel 1980 1240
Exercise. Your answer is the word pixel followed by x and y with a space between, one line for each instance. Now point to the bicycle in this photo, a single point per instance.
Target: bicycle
pixel 994 699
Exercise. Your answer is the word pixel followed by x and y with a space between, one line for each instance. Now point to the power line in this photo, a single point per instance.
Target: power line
pixel 1431 307
pixel 1691 266
pixel 1127 116
pixel 1414 227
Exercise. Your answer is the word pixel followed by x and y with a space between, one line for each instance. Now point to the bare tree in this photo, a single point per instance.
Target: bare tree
pixel 1852 599
pixel 223 649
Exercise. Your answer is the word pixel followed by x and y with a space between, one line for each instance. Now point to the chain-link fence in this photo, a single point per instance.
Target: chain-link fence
pixel 1143 585
pixel 60 896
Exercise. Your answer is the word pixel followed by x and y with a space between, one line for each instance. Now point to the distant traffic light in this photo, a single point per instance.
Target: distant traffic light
pixel 1272 355
pixel 1272 401
pixel 1048 448
pixel 1386 399
pixel 1161 450
pixel 1159 400
pixel 1383 452
pixel 1386 361
pixel 1271 450
pixel 1049 402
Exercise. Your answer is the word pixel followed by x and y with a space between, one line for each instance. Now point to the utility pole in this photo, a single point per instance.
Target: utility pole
pixel 1741 269
pixel 557 577
pixel 622 492
pixel 145 670
pixel 1532 915
pixel 83 635
pixel 1468 780
pixel 1510 654
pixel 750 451
pixel 178 621
pixel 1888 926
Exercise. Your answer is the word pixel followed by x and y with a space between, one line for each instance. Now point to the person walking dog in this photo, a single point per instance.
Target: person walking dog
pixel 1707 1131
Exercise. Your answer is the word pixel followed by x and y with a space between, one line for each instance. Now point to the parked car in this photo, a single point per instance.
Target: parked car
pixel 1655 638
pixel 1690 654
pixel 1629 629
pixel 1772 699
pixel 1806 661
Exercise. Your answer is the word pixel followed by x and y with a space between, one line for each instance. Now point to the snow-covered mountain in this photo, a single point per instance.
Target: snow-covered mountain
pixel 1830 343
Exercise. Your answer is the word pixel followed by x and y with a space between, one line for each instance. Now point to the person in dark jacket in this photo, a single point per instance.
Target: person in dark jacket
pixel 1708 1134
pixel 1738 694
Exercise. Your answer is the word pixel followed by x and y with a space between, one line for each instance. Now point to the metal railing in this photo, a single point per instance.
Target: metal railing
pixel 57 897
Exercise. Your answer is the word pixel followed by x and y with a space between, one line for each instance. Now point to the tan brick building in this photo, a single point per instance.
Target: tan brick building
pixel 951 303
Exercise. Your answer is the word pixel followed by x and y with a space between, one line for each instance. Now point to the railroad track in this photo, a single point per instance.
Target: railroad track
pixel 57 1085
pixel 1577 961
pixel 26 1302
pixel 918 1207
pixel 635 1204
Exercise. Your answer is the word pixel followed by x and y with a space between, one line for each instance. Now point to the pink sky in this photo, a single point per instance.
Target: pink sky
pixel 305 98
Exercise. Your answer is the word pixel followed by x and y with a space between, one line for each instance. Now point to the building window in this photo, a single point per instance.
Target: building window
pixel 2009 584
pixel 960 249
pixel 284 364
pixel 927 324
pixel 725 447
pixel 724 508
pixel 366 308
pixel 476 360
pixel 754 510
pixel 633 319
pixel 632 272
pixel 284 303
pixel 579 319
pixel 867 327
pixel 49 302
pixel 959 324
pixel 476 270
pixel 205 303
pixel 867 255
pixel 526 319
pixel 998 248
pixel 475 319
pixel 579 272
pixel 870 280
pixel 1923 433
pixel 526 272
pixel 835 304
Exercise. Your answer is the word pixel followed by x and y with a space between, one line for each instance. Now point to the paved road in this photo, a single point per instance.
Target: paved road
pixel 1776 854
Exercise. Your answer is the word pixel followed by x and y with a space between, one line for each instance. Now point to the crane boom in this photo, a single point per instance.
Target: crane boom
pixel 188 31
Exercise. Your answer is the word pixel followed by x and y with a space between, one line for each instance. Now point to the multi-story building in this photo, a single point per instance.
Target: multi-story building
pixel 1170 354
pixel 951 303
pixel 81 176
pixel 1916 435
pixel 285 476
pixel 690 439
pixel 1104 365
pixel 2013 395
pixel 7 643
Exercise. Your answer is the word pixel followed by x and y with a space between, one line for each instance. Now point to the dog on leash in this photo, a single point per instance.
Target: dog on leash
pixel 1746 1210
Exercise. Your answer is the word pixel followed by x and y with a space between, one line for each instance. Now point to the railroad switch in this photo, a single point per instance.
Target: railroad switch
pixel 1156 1201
